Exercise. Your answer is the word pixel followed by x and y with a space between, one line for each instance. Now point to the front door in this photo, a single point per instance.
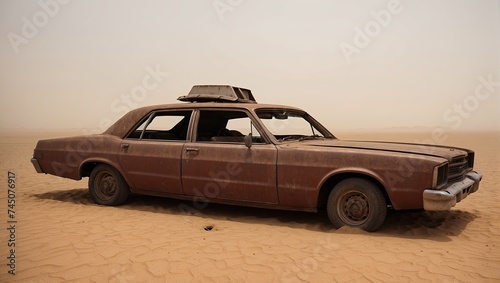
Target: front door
pixel 219 165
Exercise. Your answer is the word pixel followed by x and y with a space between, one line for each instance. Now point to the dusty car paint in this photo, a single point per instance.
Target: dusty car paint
pixel 296 175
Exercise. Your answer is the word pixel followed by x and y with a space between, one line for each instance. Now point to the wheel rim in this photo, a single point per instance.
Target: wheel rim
pixel 105 185
pixel 353 208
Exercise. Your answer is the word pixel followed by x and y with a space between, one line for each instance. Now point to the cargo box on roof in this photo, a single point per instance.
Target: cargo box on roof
pixel 218 93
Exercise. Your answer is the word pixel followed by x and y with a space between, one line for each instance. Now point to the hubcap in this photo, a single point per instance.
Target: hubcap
pixel 353 208
pixel 105 185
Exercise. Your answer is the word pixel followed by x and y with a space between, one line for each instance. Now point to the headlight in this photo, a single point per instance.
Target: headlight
pixel 470 160
pixel 440 175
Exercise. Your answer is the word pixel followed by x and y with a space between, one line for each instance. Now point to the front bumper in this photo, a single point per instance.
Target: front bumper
pixel 439 200
pixel 36 165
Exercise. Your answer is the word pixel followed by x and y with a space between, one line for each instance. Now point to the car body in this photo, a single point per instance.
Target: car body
pixel 221 146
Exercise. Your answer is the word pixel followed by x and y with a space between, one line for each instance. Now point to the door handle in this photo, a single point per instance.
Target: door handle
pixel 188 149
pixel 124 145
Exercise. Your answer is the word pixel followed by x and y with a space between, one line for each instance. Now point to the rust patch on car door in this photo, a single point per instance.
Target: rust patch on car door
pixel 152 165
pixel 230 171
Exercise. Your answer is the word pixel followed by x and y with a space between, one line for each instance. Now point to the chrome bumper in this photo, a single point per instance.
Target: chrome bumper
pixel 439 200
pixel 36 165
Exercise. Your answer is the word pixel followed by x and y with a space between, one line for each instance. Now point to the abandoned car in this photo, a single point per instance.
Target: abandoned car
pixel 222 146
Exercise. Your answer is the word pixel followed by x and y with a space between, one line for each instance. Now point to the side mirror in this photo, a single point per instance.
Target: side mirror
pixel 248 140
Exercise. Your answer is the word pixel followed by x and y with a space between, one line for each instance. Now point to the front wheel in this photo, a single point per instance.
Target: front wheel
pixel 107 186
pixel 357 203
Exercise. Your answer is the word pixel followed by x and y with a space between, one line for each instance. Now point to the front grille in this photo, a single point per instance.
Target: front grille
pixel 457 168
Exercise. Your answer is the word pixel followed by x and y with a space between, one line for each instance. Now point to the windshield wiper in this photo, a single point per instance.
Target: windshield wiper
pixel 301 137
pixel 288 138
pixel 311 137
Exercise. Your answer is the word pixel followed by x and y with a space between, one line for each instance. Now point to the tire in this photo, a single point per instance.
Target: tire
pixel 107 186
pixel 357 203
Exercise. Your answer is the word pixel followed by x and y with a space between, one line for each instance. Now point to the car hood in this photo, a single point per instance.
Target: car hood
pixel 407 148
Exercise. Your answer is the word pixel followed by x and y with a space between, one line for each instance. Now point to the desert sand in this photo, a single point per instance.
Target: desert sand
pixel 62 236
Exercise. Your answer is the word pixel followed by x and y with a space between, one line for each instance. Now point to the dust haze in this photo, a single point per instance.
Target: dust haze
pixel 368 65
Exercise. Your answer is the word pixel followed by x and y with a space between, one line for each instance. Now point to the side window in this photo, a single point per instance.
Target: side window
pixel 226 127
pixel 171 125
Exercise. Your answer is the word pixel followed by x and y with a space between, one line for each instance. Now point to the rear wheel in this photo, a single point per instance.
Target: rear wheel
pixel 107 186
pixel 357 203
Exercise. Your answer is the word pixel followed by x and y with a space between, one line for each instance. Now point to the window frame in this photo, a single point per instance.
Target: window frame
pixel 255 125
pixel 151 116
pixel 315 123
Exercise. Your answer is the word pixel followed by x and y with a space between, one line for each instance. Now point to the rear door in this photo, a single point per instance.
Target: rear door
pixel 219 165
pixel 151 154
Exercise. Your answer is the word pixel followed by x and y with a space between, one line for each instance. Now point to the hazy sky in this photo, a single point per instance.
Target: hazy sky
pixel 351 64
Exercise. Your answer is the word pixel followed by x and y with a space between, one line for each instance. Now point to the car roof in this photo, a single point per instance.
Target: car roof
pixel 219 93
pixel 121 127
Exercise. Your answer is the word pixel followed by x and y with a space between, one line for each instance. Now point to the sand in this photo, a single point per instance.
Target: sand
pixel 62 236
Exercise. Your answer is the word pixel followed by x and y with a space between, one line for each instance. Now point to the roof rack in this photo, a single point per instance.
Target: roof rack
pixel 218 93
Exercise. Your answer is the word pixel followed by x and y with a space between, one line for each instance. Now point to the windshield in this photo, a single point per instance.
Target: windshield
pixel 292 125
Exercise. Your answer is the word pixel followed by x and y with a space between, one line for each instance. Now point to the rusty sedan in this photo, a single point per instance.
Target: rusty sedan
pixel 219 144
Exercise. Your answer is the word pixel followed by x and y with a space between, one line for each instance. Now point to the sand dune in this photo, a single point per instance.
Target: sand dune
pixel 62 236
